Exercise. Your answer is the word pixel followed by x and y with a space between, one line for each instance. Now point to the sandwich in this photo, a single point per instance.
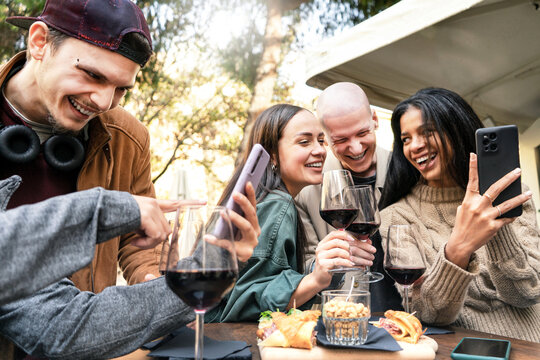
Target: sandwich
pixel 401 325
pixel 296 329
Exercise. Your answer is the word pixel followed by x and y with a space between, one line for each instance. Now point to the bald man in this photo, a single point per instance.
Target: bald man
pixel 350 125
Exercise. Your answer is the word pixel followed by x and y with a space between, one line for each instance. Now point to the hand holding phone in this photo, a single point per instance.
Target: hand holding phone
pixel 470 348
pixel 252 171
pixel 497 149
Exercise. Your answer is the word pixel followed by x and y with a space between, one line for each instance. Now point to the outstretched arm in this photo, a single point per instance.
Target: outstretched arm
pixel 56 237
pixel 62 322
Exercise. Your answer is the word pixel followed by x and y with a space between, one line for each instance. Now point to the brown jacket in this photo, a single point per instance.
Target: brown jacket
pixel 117 158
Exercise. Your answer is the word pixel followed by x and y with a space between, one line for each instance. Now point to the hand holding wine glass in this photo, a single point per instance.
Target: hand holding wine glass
pixel 366 223
pixel 403 260
pixel 201 268
pixel 338 205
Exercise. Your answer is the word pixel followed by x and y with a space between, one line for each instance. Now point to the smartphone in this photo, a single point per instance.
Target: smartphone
pixel 470 348
pixel 253 171
pixel 497 149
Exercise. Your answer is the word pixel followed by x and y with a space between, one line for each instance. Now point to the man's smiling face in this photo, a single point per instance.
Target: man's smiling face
pixel 79 81
pixel 353 141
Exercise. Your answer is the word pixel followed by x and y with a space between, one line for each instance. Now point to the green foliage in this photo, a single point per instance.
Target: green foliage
pixel 242 55
pixel 180 95
pixel 194 95
pixel 190 108
pixel 12 39
pixel 169 21
pixel 293 311
pixel 337 15
pixel 266 315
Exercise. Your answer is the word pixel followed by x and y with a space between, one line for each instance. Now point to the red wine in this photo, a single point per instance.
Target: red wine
pixel 339 218
pixel 362 231
pixel 405 276
pixel 201 290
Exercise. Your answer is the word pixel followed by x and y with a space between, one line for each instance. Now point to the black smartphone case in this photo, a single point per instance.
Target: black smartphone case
pixel 497 149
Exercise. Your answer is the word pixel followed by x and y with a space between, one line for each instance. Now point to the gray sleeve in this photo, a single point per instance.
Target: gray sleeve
pixel 44 242
pixel 62 322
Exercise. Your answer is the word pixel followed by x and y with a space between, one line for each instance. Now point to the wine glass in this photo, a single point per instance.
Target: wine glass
pixel 366 223
pixel 339 206
pixel 403 260
pixel 201 266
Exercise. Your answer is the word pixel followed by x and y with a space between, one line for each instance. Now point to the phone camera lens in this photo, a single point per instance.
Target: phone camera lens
pixel 493 147
pixel 492 136
pixel 486 148
pixel 485 141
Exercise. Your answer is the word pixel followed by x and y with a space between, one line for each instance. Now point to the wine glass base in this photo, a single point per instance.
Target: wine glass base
pixel 372 277
pixel 345 270
pixel 365 277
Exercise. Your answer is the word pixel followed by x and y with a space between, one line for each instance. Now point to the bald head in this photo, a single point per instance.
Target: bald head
pixel 343 109
pixel 341 99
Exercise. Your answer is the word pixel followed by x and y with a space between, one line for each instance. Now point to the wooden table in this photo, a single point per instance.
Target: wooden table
pixel 522 350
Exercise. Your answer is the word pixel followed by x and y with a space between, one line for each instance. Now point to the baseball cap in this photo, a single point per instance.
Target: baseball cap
pixel 103 23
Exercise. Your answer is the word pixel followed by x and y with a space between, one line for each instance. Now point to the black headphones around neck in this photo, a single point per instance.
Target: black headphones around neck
pixel 20 144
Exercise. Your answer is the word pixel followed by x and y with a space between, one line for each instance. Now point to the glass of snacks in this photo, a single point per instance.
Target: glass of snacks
pixel 346 316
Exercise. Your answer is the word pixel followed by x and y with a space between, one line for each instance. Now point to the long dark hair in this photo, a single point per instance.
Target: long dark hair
pixel 267 130
pixel 453 119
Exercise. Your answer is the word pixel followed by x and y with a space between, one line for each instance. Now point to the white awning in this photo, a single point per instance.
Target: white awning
pixel 488 51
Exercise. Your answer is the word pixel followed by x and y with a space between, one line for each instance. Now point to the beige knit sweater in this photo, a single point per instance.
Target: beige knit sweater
pixel 498 293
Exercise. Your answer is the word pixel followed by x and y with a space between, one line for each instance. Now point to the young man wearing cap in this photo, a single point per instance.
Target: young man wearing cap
pixel 350 125
pixel 82 57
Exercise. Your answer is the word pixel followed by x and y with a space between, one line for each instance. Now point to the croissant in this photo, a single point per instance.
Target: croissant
pixel 401 325
pixel 296 330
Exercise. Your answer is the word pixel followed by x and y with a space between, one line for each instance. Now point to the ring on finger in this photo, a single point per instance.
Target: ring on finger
pixel 498 209
pixel 476 191
pixel 488 196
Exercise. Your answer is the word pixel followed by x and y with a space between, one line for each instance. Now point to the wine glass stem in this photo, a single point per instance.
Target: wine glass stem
pixel 366 268
pixel 406 287
pixel 199 334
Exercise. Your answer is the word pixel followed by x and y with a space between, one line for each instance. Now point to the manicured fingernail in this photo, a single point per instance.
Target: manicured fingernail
pixel 517 171
pixel 528 193
pixel 350 238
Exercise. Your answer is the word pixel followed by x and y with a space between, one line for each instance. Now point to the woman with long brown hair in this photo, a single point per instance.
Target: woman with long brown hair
pixel 273 277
